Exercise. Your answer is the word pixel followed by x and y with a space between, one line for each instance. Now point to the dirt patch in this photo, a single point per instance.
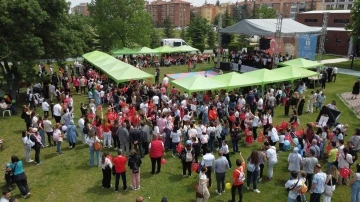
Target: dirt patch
pixel 354 104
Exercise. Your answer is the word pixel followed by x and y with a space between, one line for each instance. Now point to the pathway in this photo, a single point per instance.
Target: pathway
pixel 336 60
pixel 353 104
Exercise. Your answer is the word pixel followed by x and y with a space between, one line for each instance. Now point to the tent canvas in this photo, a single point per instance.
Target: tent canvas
pixel 128 73
pixel 267 76
pixel 123 51
pixel 165 49
pixel 145 50
pixel 267 27
pixel 234 80
pixel 93 55
pixel 185 48
pixel 301 62
pixel 294 72
pixel 198 83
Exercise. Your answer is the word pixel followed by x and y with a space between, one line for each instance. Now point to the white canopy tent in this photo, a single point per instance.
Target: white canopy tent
pixel 267 27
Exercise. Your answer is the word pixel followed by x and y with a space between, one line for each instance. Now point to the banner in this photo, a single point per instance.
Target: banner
pixel 307 46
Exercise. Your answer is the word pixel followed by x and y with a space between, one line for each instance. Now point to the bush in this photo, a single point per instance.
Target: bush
pixel 233 46
pixel 200 46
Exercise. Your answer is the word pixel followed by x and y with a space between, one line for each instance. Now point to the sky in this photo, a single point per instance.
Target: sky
pixel 194 2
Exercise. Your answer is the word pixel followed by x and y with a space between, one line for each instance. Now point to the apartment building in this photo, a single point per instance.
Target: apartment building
pixel 81 9
pixel 210 11
pixel 178 11
pixel 337 37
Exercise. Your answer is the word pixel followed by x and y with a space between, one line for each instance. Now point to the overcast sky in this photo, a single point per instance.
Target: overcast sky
pixel 194 2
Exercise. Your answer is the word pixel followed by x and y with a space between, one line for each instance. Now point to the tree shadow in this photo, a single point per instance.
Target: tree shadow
pixel 84 166
pixel 175 178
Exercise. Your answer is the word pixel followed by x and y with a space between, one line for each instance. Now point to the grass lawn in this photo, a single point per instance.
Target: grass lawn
pixel 70 178
pixel 328 56
pixel 347 64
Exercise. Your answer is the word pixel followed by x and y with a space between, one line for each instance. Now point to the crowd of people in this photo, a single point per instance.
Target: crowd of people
pixel 139 119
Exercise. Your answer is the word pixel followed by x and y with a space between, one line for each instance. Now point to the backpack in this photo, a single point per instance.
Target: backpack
pixel 135 167
pixel 85 130
pixel 29 142
pixel 241 177
pixel 188 155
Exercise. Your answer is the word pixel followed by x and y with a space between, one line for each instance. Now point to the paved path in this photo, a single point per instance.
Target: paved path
pixel 349 72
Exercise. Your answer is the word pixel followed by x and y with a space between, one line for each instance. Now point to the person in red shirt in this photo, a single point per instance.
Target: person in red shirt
pixel 238 179
pixel 213 114
pixel 156 151
pixel 119 169
pixel 106 133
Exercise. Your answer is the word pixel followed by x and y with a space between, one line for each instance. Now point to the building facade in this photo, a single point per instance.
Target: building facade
pixel 210 11
pixel 81 9
pixel 337 37
pixel 176 10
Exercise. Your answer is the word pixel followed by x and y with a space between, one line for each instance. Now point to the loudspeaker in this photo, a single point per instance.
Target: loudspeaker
pixel 225 66
pixel 264 44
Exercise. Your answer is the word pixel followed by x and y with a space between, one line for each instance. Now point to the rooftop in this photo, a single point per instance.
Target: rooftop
pixel 324 11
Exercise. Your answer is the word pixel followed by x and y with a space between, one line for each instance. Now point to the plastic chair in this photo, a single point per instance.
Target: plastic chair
pixel 8 111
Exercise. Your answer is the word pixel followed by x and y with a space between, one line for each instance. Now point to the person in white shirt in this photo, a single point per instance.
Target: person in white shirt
pixel 155 99
pixel 45 107
pixel 57 112
pixel 144 108
pixel 273 134
pixel 175 136
pixel 165 82
pixel 48 128
pixel 334 73
pixel 256 122
pixel 259 104
pixel 293 186
pixel 241 101
pixel 81 124
pixel 208 161
pixel 272 160
pixel 52 91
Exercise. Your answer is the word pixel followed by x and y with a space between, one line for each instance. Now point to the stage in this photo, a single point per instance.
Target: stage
pixel 209 73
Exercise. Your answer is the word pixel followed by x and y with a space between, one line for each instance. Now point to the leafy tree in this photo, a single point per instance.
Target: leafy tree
pixel 35 29
pixel 198 29
pixel 121 23
pixel 265 12
pixel 354 26
pixel 168 28
pixel 155 38
pixel 211 38
pixel 183 34
pixel 227 20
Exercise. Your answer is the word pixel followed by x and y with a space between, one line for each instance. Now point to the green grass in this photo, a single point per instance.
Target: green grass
pixel 328 56
pixel 347 65
pixel 69 177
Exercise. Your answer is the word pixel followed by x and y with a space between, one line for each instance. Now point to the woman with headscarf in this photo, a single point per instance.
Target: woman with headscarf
pixel 134 164
pixel 71 134
pixel 19 176
pixel 106 166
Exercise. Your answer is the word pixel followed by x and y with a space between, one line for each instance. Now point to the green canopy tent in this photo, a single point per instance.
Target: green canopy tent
pixel 123 51
pixel 235 80
pixel 117 70
pixel 185 48
pixel 165 49
pixel 294 72
pixel 301 62
pixel 198 83
pixel 127 73
pixel 267 76
pixel 145 50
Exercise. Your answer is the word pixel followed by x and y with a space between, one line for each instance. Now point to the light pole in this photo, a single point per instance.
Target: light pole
pixel 219 38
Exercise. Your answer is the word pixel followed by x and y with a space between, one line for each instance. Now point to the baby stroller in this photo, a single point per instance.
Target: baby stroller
pixel 9 177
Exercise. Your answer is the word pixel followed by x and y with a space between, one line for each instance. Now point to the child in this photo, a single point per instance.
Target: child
pixel 8 176
pixel 249 138
pixel 303 180
pixel 58 137
pixel 225 150
pixel 262 158
pixel 27 145
pixel 281 140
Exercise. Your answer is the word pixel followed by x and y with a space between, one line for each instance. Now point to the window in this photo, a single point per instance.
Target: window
pixel 310 20
pixel 342 21
pixel 176 44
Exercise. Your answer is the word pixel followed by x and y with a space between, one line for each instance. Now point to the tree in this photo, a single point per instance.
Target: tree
pixel 211 38
pixel 265 12
pixel 35 29
pixel 227 20
pixel 121 23
pixel 198 29
pixel 155 38
pixel 354 26
pixel 168 28
pixel 183 34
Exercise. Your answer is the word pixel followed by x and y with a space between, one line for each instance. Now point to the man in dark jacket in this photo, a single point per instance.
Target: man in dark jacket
pixel 146 139
pixel 135 135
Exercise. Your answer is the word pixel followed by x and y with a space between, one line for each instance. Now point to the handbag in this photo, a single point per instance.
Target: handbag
pixel 97 145
pixel 199 194
pixel 329 193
